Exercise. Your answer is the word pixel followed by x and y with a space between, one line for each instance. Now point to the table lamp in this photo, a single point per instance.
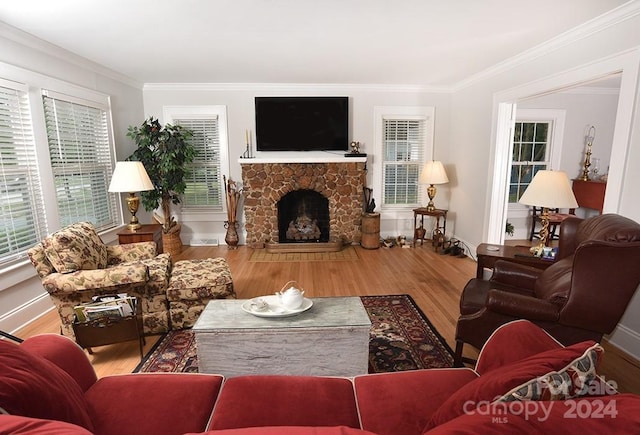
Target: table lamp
pixel 548 189
pixel 131 177
pixel 432 173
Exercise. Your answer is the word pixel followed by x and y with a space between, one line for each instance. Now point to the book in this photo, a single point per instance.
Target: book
pixel 114 306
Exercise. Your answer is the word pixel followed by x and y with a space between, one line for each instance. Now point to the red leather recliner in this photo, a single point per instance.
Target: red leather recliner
pixel 582 296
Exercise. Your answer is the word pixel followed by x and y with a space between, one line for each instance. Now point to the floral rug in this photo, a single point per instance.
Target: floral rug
pixel 402 338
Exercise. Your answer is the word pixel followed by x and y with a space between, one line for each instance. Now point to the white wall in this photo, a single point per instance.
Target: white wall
pixel 239 100
pixel 22 296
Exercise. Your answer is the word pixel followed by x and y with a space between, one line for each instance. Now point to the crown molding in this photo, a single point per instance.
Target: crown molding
pixel 28 40
pixel 293 87
pixel 595 25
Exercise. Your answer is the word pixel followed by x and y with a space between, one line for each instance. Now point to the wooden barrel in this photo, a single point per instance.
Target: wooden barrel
pixel 370 231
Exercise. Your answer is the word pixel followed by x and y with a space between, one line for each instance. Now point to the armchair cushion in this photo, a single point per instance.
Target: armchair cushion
pixel 76 247
pixel 555 283
pixel 31 386
pixel 124 274
pixel 128 252
pixel 494 384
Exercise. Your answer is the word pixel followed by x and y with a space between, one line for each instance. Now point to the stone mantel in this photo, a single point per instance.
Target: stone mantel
pixel 300 157
pixel 266 182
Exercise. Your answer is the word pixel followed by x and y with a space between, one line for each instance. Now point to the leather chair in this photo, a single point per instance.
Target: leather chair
pixel 582 296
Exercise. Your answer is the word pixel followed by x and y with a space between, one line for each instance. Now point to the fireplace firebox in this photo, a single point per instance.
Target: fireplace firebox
pixel 303 217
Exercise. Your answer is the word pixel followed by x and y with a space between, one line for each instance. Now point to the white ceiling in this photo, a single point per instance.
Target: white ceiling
pixel 409 42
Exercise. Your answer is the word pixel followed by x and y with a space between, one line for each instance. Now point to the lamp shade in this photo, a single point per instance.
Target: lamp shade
pixel 433 173
pixel 130 177
pixel 550 189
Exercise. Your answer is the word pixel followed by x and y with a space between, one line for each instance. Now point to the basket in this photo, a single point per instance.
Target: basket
pixel 171 241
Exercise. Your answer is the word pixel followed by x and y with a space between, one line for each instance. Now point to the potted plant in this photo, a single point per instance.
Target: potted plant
pixel 165 153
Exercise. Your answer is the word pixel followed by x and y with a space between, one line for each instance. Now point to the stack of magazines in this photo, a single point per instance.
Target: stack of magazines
pixel 113 306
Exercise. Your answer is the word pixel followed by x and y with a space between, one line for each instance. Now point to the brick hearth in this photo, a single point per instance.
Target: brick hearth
pixel 265 183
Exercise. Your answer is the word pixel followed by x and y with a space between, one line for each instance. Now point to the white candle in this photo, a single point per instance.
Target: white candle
pixel 246 133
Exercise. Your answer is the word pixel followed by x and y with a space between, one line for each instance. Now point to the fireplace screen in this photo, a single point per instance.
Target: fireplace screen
pixel 303 216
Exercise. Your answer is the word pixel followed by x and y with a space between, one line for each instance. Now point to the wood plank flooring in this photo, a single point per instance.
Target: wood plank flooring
pixel 434 281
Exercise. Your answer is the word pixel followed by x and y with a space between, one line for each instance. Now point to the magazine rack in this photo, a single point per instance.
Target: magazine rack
pixel 110 330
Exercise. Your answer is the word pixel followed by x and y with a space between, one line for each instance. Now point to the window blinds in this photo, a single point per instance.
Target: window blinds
pixel 204 185
pixel 404 144
pixel 22 215
pixel 80 152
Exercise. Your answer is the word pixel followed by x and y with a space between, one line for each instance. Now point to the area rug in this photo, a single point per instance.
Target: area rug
pixel 346 254
pixel 402 338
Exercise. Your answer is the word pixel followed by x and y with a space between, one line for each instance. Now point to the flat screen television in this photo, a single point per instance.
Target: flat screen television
pixel 302 123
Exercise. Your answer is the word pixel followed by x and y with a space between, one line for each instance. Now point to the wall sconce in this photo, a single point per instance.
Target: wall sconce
pixel 432 173
pixel 131 177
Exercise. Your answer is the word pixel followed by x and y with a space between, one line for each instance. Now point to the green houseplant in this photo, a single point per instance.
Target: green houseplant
pixel 165 153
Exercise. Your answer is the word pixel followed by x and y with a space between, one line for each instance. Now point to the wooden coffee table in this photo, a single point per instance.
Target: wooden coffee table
pixel 330 339
pixel 488 254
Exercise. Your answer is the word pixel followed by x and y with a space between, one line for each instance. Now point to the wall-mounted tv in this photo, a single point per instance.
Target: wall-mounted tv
pixel 302 123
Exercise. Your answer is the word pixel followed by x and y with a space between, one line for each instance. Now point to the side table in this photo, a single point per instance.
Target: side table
pixel 488 254
pixel 146 233
pixel 419 234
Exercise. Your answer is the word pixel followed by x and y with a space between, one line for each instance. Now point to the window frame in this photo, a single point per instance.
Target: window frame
pixel 170 114
pixel 410 113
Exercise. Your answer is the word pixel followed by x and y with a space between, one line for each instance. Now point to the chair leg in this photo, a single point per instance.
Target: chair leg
pixel 457 358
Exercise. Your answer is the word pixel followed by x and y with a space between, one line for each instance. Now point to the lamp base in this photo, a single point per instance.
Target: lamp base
pixel 132 204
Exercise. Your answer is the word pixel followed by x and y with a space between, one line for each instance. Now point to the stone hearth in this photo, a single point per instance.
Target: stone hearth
pixel 264 184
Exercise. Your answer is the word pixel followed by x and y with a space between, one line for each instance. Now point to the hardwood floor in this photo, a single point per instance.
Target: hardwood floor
pixel 433 280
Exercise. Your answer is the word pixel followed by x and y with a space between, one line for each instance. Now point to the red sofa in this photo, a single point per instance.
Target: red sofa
pixel 47 385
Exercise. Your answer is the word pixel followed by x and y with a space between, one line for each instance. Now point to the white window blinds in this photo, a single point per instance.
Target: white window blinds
pixel 22 215
pixel 403 150
pixel 204 186
pixel 80 152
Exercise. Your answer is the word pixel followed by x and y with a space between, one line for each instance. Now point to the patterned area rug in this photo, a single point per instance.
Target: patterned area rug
pixel 402 338
pixel 346 254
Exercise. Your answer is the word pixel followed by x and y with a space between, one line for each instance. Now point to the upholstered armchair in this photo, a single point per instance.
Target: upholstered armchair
pixel 75 265
pixel 582 296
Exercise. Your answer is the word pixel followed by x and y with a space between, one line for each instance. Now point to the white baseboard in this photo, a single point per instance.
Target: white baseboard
pixel 28 312
pixel 627 340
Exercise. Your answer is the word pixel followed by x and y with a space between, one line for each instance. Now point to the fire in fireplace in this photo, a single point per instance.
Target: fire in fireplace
pixel 303 216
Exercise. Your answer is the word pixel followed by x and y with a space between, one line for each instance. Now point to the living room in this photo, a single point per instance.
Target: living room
pixel 470 106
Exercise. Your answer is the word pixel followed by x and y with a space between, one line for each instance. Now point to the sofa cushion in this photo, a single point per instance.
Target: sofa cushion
pixel 496 383
pixel 249 401
pixel 15 424
pixel 76 247
pixel 588 415
pixel 572 381
pixel 291 430
pixel 31 386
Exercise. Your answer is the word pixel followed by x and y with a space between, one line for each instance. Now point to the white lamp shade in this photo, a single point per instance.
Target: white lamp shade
pixel 549 189
pixel 433 173
pixel 130 177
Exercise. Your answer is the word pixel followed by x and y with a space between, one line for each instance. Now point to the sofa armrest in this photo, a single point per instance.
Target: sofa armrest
pixel 521 306
pixel 117 254
pixel 513 342
pixel 66 354
pixel 515 275
pixel 124 275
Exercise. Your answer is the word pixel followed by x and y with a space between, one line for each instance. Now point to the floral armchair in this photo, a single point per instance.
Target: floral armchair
pixel 75 265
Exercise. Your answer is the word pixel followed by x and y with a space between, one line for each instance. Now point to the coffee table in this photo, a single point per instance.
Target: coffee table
pixel 330 339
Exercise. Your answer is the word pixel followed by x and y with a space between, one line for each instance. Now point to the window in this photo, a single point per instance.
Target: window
pixel 81 159
pixel 405 137
pixel 530 154
pixel 22 216
pixel 205 185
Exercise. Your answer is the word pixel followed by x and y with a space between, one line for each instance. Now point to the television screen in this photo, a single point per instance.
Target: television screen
pixel 302 123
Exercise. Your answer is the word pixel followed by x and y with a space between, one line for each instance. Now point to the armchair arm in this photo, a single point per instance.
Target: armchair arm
pixel 117 254
pixel 125 275
pixel 516 275
pixel 521 306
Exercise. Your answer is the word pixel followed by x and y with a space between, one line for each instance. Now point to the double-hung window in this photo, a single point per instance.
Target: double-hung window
pixel 404 137
pixel 80 150
pixel 22 215
pixel 205 188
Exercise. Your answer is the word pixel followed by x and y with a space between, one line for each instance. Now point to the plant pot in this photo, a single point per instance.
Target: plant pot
pixel 171 241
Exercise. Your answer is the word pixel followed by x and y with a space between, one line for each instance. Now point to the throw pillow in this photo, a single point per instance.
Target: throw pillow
pixel 31 386
pixel 76 247
pixel 573 380
pixel 496 383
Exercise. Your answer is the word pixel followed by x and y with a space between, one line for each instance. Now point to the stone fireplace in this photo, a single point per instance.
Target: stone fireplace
pixel 303 203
